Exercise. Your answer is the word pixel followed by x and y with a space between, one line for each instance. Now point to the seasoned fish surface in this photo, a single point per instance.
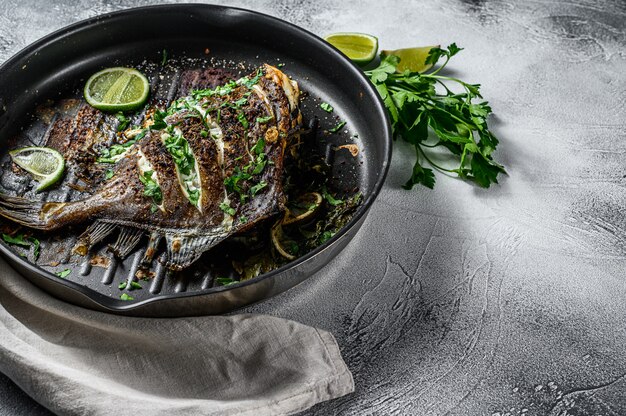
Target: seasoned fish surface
pixel 208 167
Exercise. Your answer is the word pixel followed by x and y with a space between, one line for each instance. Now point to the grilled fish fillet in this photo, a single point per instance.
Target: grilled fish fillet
pixel 210 166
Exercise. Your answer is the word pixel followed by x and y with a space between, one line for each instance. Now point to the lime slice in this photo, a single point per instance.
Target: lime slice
pixel 117 89
pixel 413 59
pixel 361 48
pixel 45 164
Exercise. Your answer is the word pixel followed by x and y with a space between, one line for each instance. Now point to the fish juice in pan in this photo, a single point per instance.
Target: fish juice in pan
pixel 208 167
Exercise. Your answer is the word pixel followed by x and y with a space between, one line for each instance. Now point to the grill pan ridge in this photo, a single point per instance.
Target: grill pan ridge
pixel 37 99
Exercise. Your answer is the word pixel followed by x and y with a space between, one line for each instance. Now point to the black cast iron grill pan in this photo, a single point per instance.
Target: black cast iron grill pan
pixel 40 90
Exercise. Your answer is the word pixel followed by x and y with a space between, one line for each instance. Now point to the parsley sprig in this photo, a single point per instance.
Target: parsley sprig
pixel 422 103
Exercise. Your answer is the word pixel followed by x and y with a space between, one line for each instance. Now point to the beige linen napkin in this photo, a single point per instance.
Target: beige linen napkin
pixel 76 361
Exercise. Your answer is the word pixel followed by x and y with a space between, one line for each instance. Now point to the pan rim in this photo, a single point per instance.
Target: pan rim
pixel 115 305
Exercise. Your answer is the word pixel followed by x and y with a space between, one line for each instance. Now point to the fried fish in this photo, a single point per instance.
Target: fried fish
pixel 208 167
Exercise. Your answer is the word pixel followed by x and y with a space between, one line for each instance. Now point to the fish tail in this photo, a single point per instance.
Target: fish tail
pixel 23 211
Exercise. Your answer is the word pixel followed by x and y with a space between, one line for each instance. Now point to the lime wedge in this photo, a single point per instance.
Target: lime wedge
pixel 413 59
pixel 45 164
pixel 117 89
pixel 361 48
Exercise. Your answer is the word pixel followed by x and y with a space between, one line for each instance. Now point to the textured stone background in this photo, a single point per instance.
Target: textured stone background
pixel 501 301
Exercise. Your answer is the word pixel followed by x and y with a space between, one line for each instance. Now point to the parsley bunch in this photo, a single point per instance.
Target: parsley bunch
pixel 419 104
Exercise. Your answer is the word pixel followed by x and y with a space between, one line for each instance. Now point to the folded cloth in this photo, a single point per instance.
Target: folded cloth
pixel 76 361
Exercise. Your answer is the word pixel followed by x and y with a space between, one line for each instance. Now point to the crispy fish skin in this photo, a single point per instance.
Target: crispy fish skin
pixel 238 135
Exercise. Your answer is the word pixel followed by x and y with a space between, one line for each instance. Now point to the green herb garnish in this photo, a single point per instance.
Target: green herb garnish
pixel 108 174
pixel 63 274
pixel 458 121
pixel 225 281
pixel 122 285
pixel 126 296
pixel 151 188
pixel 179 148
pixel 326 235
pixel 225 206
pixel 124 121
pixel 194 196
pixel 164 59
pixel 185 161
pixel 258 147
pixel 263 120
pixel 158 119
pixel 337 127
pixel 20 240
pixel 135 285
pixel 110 155
pixel 330 199
pixel 242 119
pixel 326 107
pixel 256 188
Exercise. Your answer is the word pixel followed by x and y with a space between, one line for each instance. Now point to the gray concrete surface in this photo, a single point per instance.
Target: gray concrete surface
pixel 460 300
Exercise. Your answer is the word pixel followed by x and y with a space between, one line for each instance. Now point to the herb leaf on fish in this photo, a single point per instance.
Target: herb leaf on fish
pixel 150 187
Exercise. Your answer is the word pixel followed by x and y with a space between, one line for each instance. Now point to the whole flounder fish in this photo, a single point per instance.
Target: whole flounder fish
pixel 207 167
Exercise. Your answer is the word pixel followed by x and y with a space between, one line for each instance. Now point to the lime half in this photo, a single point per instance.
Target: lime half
pixel 413 59
pixel 117 89
pixel 361 48
pixel 45 164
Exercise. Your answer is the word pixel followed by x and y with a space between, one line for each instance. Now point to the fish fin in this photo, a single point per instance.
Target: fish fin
pixel 92 235
pixel 184 250
pixel 153 243
pixel 126 242
pixel 22 211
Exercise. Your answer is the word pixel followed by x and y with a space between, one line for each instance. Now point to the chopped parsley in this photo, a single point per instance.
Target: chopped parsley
pixel 158 119
pixel 264 120
pixel 326 235
pixel 225 281
pixel 179 149
pixel 326 107
pixel 330 199
pixel 115 152
pixel 151 188
pixel 36 248
pixel 234 183
pixel 20 240
pixel 259 146
pixel 337 127
pixel 133 285
pixel 225 206
pixel 64 273
pixel 124 121
pixel 108 174
pixel 242 119
pixel 256 188
pixel 194 196
pixel 126 296
pixel 228 87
